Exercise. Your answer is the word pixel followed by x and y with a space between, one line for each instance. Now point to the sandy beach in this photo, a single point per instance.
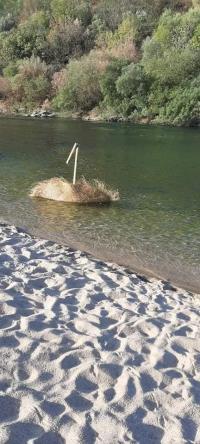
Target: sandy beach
pixel 91 353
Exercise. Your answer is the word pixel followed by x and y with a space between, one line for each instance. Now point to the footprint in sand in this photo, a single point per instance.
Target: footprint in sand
pixel 189 428
pixel 143 433
pixel 22 433
pixel 9 409
pixel 168 360
pixel 50 438
pixel 52 408
pixel 113 370
pixel 109 394
pixel 147 382
pixel 84 385
pixel 77 402
pixel 70 362
pixel 9 342
pixel 25 374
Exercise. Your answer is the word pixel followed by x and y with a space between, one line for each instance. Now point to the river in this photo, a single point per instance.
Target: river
pixel 154 228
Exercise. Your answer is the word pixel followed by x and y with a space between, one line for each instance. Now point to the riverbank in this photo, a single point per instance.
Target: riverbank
pixel 93 116
pixel 91 352
pixel 86 117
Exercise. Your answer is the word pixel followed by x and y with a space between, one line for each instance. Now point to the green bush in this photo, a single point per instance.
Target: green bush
pixel 30 92
pixel 65 40
pixel 111 96
pixel 111 12
pixel 133 80
pixel 11 69
pixel 170 56
pixel 31 85
pixel 133 86
pixel 72 10
pixel 183 105
pixel 127 30
pixel 7 22
pixel 10 6
pixel 157 98
pixel 30 7
pixel 131 58
pixel 125 88
pixel 80 91
pixel 29 39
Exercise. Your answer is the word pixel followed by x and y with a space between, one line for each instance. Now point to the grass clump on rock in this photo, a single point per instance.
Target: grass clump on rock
pixel 83 191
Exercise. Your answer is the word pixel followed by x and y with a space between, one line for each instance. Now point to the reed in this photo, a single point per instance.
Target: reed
pixel 82 192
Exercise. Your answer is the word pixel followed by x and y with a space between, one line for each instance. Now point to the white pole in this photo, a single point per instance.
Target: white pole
pixel 72 152
pixel 75 166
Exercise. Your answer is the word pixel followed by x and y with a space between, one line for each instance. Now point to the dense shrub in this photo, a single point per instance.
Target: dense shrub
pixel 5 88
pixel 112 97
pixel 133 86
pixel 31 84
pixel 121 42
pixel 11 69
pixel 29 39
pixel 132 58
pixel 171 55
pixel 10 6
pixel 111 12
pixel 127 30
pixel 157 98
pixel 183 105
pixel 72 10
pixel 125 88
pixel 32 68
pixel 7 22
pixel 30 7
pixel 80 88
pixel 65 40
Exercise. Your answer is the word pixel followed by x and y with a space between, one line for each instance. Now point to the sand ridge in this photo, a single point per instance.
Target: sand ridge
pixel 91 353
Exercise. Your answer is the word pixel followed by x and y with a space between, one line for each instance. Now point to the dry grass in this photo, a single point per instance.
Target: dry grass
pixel 83 192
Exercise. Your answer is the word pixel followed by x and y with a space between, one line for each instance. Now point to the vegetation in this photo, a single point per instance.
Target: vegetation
pixel 125 59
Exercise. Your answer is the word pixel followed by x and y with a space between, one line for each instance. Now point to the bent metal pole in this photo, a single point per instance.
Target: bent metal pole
pixel 75 150
pixel 75 165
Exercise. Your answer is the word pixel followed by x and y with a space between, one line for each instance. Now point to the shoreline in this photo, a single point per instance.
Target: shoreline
pixel 95 119
pixel 128 264
pixel 92 354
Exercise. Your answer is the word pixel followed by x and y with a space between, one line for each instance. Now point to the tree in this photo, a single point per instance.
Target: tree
pixel 65 40
pixel 170 55
pixel 29 39
pixel 125 88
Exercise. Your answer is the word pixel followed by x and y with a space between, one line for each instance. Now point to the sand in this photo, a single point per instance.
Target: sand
pixel 91 353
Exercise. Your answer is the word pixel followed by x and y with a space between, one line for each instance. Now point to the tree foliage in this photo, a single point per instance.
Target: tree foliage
pixel 80 87
pixel 173 52
pixel 129 58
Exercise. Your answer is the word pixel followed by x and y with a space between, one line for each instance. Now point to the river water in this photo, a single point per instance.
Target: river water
pixel 155 227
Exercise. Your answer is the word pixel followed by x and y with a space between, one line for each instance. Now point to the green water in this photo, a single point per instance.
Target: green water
pixel 155 225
